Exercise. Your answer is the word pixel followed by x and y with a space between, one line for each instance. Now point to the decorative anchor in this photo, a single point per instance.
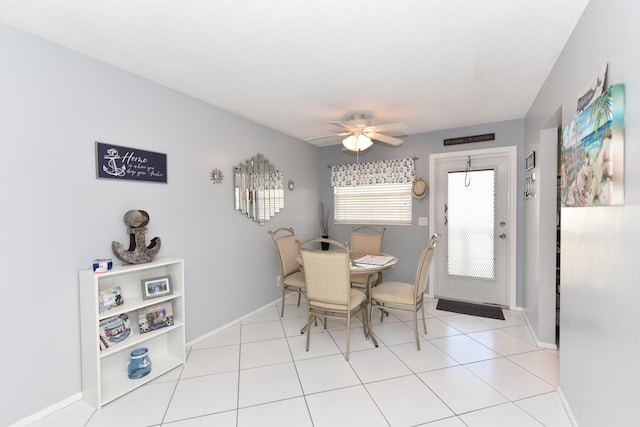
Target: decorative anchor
pixel 113 169
pixel 138 252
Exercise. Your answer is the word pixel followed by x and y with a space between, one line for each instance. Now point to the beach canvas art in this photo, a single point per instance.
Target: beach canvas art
pixel 592 172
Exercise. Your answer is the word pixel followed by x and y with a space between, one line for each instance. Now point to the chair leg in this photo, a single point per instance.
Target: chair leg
pixel 424 322
pixel 282 309
pixel 415 327
pixel 299 295
pixel 365 321
pixel 309 315
pixel 348 334
pixel 315 322
pixel 381 313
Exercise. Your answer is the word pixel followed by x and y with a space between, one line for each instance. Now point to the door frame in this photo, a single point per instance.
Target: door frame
pixel 512 193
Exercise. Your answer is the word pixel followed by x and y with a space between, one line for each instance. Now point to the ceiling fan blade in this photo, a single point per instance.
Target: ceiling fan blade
pixel 384 138
pixel 390 127
pixel 333 135
pixel 342 125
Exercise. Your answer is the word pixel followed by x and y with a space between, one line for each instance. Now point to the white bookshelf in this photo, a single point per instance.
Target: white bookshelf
pixel 104 372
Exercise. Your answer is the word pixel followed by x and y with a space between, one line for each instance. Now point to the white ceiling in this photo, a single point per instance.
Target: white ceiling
pixel 294 65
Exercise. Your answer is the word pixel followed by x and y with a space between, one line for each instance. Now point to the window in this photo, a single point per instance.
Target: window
pixel 382 204
pixel 373 192
pixel 470 218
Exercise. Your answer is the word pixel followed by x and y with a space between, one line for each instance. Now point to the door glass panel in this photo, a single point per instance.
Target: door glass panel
pixel 470 223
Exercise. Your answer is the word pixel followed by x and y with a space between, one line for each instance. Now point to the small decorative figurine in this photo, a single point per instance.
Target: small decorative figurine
pixel 102 265
pixel 137 253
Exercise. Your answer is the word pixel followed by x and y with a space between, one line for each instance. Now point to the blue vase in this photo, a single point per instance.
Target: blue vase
pixel 139 363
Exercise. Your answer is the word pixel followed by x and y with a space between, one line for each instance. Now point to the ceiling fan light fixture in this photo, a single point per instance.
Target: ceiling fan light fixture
pixel 357 142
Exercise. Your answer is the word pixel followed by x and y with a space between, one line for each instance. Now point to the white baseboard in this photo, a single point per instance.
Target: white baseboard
pixel 228 325
pixel 541 344
pixel 565 404
pixel 47 411
pixel 563 400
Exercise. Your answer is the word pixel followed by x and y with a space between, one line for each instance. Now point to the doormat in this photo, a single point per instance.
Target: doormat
pixel 470 308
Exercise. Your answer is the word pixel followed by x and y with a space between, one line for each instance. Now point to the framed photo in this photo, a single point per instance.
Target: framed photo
pixel 114 330
pixel 530 161
pixel 156 287
pixel 109 298
pixel 155 317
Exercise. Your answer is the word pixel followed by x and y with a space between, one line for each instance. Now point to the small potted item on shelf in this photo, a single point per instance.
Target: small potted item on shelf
pixel 139 363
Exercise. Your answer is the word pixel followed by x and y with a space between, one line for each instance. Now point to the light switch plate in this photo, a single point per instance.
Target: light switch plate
pixel 423 220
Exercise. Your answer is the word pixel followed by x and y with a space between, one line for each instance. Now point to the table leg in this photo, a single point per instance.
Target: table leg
pixel 368 313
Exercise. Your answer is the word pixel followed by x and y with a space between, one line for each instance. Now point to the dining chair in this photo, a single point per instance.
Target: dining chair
pixel 329 291
pixel 286 245
pixel 366 240
pixel 405 296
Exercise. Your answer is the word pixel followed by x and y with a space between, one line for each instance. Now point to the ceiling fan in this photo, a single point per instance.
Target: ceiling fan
pixel 359 133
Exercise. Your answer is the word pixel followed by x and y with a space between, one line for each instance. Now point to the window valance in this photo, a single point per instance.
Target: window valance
pixel 398 171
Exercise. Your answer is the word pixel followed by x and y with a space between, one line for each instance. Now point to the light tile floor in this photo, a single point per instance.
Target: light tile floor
pixel 471 371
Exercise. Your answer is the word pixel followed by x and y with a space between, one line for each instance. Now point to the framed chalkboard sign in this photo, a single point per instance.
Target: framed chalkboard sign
pixel 115 162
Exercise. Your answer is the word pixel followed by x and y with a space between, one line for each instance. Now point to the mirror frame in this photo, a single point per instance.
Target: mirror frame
pixel 258 188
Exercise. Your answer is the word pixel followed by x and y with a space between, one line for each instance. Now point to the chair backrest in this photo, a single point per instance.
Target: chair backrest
pixel 326 273
pixel 286 245
pixel 426 258
pixel 366 240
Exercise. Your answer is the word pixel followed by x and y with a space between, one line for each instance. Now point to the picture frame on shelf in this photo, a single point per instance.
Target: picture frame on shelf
pixel 110 298
pixel 155 317
pixel 113 330
pixel 156 287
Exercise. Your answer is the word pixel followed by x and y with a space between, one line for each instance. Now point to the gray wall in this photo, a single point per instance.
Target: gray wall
pixel 57 217
pixel 540 237
pixel 407 241
pixel 599 343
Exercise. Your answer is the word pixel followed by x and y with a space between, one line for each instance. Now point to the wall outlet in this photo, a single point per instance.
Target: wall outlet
pixel 279 280
pixel 423 220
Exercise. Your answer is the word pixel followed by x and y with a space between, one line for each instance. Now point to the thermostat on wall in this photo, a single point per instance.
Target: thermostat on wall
pixel 530 161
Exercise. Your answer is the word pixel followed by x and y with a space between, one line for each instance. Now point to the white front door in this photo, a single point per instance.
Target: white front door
pixel 470 210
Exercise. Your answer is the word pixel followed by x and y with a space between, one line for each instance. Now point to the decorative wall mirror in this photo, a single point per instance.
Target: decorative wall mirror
pixel 259 189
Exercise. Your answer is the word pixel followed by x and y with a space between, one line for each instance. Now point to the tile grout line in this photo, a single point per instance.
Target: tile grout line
pixel 295 366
